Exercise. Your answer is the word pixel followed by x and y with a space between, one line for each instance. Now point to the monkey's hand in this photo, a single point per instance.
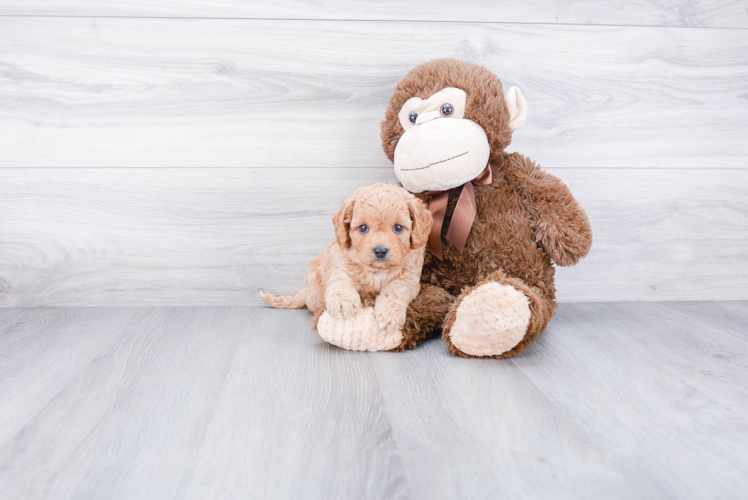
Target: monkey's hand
pixel 561 225
pixel 358 332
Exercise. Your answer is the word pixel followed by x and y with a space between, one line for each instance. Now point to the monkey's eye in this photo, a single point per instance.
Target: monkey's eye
pixel 413 117
pixel 363 229
pixel 398 228
pixel 447 109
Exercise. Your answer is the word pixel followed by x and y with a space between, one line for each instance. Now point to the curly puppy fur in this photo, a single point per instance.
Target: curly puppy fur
pixel 526 217
pixel 352 272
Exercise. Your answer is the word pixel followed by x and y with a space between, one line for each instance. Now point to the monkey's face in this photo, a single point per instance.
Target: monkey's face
pixel 440 148
pixel 444 120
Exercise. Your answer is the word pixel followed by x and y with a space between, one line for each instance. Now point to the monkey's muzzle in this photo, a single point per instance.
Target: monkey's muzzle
pixel 441 154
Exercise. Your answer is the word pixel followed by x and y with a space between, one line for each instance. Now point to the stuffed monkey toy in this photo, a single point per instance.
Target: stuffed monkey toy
pixel 500 221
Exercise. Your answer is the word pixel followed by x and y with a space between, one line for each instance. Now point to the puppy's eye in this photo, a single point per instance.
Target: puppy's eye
pixel 363 229
pixel 413 117
pixel 447 109
pixel 398 228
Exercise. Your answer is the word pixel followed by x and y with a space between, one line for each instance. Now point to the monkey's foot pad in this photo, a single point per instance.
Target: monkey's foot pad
pixel 358 332
pixel 490 320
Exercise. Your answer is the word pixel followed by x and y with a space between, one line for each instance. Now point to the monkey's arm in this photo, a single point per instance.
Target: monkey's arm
pixel 560 223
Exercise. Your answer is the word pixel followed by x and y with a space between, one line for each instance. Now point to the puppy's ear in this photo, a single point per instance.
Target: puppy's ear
pixel 422 221
pixel 342 222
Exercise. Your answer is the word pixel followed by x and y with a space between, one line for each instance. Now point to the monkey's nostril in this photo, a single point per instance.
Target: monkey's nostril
pixel 381 252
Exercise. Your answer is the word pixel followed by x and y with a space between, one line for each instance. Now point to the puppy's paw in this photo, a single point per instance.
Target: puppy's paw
pixel 389 314
pixel 343 305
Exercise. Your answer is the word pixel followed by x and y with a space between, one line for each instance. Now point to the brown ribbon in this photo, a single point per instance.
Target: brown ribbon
pixel 463 217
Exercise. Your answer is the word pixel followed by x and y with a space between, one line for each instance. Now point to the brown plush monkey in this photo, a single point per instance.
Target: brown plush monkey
pixel 499 220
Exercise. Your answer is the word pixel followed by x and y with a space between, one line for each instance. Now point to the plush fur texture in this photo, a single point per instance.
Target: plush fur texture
pixel 527 219
pixel 492 319
pixel 360 332
pixel 378 219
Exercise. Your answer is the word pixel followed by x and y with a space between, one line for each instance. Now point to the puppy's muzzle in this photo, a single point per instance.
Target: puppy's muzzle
pixel 380 252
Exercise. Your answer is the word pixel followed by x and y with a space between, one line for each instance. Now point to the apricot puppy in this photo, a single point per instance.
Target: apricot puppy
pixel 381 234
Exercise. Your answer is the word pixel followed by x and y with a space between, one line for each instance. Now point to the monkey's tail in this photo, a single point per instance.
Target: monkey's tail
pixel 297 301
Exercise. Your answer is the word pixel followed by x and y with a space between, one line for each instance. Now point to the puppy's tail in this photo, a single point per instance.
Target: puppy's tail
pixel 285 302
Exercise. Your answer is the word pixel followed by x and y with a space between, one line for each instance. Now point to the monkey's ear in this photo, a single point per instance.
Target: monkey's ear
pixel 342 222
pixel 517 105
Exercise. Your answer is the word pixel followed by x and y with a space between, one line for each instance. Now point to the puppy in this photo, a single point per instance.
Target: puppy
pixel 381 234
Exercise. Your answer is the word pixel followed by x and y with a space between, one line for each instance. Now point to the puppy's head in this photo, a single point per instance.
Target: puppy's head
pixel 380 224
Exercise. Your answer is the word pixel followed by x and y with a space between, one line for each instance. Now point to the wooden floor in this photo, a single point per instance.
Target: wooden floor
pixel 626 400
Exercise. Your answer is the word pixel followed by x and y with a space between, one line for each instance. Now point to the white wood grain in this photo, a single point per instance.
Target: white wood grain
pixel 660 235
pixel 626 375
pixel 700 347
pixel 137 410
pixel 43 350
pixel 216 236
pixel 728 316
pixel 699 13
pixel 619 401
pixel 306 420
pixel 486 431
pixel 122 92
pixel 203 403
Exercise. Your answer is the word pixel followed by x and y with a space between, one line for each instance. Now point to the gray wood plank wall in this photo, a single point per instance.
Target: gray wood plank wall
pixel 696 13
pixel 174 153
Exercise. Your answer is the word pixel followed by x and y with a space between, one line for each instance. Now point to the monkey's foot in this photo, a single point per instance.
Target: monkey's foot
pixel 490 320
pixel 358 332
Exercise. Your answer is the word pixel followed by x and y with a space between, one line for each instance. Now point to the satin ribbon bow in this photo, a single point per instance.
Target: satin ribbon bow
pixel 462 219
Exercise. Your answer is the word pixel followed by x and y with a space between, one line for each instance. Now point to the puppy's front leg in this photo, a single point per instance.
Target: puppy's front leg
pixel 341 298
pixel 392 302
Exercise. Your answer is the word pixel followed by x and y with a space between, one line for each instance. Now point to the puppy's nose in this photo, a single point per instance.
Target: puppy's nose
pixel 381 252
